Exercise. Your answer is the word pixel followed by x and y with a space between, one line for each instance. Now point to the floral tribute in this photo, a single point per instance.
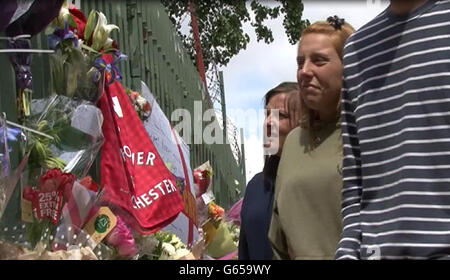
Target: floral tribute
pixel 140 104
pixel 51 208
pixel 57 214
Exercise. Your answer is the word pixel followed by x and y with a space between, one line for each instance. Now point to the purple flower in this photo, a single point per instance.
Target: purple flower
pixel 12 135
pixel 61 35
pixel 112 72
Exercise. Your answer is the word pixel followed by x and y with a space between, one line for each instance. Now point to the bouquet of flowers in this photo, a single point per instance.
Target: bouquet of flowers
pixel 140 104
pixel 203 189
pixel 61 143
pixel 71 135
pixel 79 44
pixel 63 220
pixel 163 246
pixel 221 235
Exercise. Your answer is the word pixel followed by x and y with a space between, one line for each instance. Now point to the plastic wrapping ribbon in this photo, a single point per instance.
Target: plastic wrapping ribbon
pixel 4 150
pixel 111 70
pixel 21 63
pixel 30 21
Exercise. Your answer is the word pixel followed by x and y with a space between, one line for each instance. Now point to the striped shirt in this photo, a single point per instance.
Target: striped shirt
pixel 396 136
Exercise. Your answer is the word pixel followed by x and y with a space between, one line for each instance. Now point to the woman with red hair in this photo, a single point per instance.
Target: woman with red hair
pixel 306 218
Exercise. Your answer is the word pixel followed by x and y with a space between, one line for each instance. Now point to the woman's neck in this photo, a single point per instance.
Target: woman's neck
pixel 402 7
pixel 326 116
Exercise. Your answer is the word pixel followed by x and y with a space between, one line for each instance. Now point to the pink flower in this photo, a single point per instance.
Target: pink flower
pixel 122 238
pixel 134 95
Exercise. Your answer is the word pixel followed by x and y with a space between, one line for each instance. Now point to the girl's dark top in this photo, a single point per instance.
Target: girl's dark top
pixel 256 213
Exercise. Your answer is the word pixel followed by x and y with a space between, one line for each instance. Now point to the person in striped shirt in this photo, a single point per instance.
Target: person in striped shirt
pixel 396 135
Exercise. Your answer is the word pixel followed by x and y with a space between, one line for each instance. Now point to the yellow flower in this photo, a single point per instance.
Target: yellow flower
pixel 101 32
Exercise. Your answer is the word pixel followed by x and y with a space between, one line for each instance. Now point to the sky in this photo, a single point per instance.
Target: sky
pixel 260 67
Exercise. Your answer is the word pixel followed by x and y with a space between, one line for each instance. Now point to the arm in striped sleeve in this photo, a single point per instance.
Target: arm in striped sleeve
pixel 349 246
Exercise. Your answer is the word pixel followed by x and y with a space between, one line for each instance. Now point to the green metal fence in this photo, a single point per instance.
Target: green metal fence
pixel 155 56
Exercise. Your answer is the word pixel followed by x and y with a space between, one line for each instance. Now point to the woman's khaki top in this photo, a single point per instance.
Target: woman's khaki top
pixel 306 220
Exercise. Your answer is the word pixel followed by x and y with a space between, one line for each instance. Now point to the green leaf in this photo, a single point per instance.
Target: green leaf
pixel 49 30
pixel 72 22
pixel 90 25
pixel 89 49
pixel 109 51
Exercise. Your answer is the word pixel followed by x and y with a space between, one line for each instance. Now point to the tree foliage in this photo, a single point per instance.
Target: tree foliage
pixel 221 24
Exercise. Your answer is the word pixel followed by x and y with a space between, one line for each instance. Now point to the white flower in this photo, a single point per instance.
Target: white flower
pixel 168 251
pixel 141 101
pixel 101 32
pixel 63 16
pixel 177 243
pixel 60 20
pixel 181 253
pixel 109 43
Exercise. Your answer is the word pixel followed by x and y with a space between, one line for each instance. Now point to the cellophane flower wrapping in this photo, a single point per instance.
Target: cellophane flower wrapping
pixel 204 190
pixel 4 164
pixel 69 141
pixel 75 125
pixel 223 243
pixel 221 232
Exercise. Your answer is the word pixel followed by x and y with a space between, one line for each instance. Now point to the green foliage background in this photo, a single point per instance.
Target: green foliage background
pixel 221 24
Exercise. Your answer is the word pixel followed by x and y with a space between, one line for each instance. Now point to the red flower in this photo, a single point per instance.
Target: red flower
pixel 80 19
pixel 147 107
pixel 50 180
pixel 55 180
pixel 29 193
pixel 202 179
pixel 89 184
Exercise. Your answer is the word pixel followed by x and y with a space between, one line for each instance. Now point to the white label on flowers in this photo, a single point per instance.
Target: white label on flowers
pixel 208 197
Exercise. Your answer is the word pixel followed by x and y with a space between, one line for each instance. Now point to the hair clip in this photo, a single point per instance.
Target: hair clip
pixel 336 22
